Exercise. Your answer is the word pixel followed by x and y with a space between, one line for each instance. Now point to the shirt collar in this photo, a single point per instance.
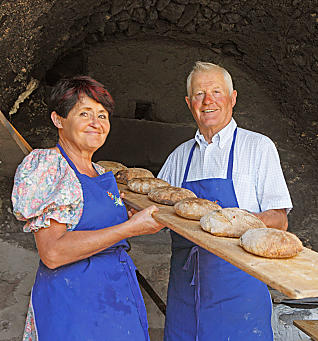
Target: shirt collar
pixel 220 138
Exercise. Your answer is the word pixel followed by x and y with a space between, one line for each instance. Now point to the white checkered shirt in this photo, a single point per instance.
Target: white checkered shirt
pixel 257 174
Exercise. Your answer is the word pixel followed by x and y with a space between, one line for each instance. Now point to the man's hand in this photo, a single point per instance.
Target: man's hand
pixel 274 218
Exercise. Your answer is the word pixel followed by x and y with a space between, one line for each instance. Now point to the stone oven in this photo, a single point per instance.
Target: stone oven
pixel 143 50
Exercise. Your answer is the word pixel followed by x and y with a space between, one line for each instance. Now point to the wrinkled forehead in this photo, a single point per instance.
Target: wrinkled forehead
pixel 209 78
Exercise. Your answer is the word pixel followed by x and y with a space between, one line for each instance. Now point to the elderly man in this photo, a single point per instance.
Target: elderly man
pixel 208 298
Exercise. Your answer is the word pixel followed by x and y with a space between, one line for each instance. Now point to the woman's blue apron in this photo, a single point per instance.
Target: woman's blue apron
pixel 97 298
pixel 209 299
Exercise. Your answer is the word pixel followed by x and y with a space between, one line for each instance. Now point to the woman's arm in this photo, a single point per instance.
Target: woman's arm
pixel 57 246
pixel 274 218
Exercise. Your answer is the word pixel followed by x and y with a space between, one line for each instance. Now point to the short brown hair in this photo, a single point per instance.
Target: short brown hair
pixel 67 92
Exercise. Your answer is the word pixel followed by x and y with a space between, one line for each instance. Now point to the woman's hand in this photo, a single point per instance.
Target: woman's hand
pixel 131 211
pixel 142 222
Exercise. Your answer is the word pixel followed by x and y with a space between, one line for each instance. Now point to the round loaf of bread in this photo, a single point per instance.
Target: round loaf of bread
pixel 124 175
pixel 230 222
pixel 170 195
pixel 195 208
pixel 112 166
pixel 271 243
pixel 145 185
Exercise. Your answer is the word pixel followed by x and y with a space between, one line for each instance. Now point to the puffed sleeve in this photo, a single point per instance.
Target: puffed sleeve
pixel 46 187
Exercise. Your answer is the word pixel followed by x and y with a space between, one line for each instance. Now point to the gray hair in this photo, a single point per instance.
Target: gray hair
pixel 204 66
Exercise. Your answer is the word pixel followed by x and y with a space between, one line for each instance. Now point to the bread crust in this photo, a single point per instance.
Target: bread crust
pixel 145 185
pixel 230 222
pixel 170 195
pixel 112 166
pixel 124 175
pixel 195 208
pixel 271 243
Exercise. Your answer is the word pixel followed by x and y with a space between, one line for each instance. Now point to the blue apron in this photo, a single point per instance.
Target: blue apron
pixel 97 298
pixel 209 299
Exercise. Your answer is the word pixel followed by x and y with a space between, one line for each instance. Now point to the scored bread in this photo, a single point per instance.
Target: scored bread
pixel 195 208
pixel 145 185
pixel 271 243
pixel 112 166
pixel 124 175
pixel 230 222
pixel 170 195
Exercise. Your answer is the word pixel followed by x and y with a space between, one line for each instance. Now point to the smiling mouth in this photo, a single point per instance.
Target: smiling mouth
pixel 209 110
pixel 93 132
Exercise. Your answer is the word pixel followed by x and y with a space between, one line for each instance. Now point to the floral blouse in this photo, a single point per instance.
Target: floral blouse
pixel 46 187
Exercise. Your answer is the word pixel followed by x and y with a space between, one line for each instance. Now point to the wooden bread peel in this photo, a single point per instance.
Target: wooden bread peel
pixel 295 277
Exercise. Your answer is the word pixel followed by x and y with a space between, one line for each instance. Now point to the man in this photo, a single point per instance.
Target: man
pixel 208 298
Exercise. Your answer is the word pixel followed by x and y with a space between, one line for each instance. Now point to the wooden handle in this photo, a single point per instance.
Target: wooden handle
pixel 21 142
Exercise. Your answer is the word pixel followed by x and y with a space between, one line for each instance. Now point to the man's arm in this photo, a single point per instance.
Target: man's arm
pixel 274 218
pixel 272 191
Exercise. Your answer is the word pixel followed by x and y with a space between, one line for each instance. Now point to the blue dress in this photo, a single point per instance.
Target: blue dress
pixel 97 298
pixel 209 299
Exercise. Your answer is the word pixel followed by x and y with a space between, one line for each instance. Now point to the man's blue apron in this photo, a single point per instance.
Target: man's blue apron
pixel 209 299
pixel 97 298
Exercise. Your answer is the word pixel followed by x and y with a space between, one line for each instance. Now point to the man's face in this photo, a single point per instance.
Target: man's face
pixel 210 103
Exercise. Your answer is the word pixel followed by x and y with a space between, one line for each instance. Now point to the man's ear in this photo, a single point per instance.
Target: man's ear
pixel 234 95
pixel 188 100
pixel 56 119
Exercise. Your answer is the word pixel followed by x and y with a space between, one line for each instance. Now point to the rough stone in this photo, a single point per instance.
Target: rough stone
pixel 139 15
pixel 207 12
pixel 188 15
pixel 282 322
pixel 161 4
pixel 133 28
pixel 172 12
pixel 117 6
pixel 215 6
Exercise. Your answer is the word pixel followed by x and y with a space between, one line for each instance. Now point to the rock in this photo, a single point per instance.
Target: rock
pixel 117 6
pixel 161 4
pixel 172 12
pixel 188 15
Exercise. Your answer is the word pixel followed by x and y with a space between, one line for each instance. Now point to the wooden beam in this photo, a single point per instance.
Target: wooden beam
pixel 309 327
pixel 13 147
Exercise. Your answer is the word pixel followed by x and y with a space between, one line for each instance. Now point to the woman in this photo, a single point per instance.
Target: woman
pixel 86 286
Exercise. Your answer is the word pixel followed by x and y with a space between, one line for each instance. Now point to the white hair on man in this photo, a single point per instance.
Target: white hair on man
pixel 205 66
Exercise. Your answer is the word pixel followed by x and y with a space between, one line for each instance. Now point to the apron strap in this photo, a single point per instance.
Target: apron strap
pixel 231 157
pixel 69 161
pixel 188 164
pixel 230 163
pixel 194 253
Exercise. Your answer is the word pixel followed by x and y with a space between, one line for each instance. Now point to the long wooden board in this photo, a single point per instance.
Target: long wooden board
pixel 310 327
pixel 13 147
pixel 296 277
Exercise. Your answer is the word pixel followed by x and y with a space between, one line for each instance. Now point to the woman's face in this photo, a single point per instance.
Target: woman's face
pixel 86 126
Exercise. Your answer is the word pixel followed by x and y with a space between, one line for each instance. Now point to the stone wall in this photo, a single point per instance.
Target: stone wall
pixel 274 41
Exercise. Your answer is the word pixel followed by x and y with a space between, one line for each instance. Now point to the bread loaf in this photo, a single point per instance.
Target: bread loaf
pixel 271 243
pixel 112 166
pixel 229 222
pixel 170 195
pixel 124 175
pixel 145 185
pixel 195 208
